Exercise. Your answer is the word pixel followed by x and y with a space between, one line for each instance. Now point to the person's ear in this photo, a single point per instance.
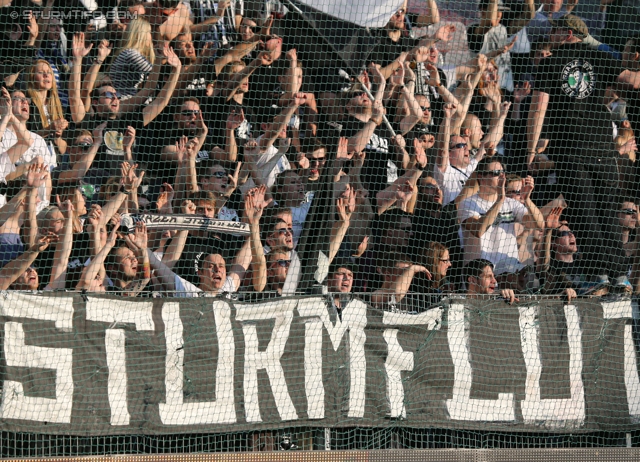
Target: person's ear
pixel 472 280
pixel 636 56
pixel 466 132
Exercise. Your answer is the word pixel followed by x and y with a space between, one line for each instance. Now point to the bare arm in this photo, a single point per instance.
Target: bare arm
pixel 151 111
pixel 537 112
pixel 63 250
pixel 254 205
pixel 478 226
pixel 527 14
pixel 76 103
pixel 442 143
pixel 400 288
pixel 280 121
pixel 15 268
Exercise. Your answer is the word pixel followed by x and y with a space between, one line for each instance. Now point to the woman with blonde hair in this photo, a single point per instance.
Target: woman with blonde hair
pixel 134 61
pixel 49 118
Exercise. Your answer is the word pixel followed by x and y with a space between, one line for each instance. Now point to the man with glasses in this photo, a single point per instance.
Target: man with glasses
pixel 488 222
pixel 454 164
pixel 628 221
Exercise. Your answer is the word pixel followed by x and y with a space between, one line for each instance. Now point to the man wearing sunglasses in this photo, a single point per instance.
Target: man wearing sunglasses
pixel 628 221
pixel 488 221
pixel 23 146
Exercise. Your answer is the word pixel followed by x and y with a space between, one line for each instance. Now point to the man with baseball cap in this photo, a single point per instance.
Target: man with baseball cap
pixel 567 108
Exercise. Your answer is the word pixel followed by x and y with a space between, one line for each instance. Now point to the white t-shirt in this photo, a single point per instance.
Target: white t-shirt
pixel 185 289
pixel 453 179
pixel 38 148
pixel 269 177
pixel 498 244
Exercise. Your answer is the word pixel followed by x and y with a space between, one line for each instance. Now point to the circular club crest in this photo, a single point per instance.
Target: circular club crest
pixel 578 79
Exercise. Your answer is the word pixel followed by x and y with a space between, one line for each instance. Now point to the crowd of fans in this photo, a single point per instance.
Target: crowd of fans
pixel 444 177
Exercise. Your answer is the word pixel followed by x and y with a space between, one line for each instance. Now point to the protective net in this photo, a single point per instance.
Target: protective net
pixel 319 225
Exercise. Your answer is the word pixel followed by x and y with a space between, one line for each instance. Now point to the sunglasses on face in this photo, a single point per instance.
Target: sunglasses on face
pixel 400 12
pixel 425 108
pixel 190 112
pixel 283 263
pixel 83 146
pixel 514 192
pixel 219 174
pixel 110 95
pixel 564 233
pixel 459 146
pixel 628 211
pixel 494 173
pixel 283 231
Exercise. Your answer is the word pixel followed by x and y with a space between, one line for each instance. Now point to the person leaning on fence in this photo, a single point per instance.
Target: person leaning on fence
pixel 482 282
pixel 340 282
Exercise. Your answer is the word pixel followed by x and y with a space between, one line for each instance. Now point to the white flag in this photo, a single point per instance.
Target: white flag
pixel 365 13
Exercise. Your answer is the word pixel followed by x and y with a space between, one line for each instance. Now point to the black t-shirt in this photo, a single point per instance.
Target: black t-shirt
pixel 379 168
pixel 111 152
pixel 387 50
pixel 263 85
pixel 215 111
pixel 196 248
pixel 576 77
pixel 564 275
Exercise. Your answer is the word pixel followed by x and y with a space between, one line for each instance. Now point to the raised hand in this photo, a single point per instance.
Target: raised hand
pixel 37 174
pixel 374 71
pixel 129 138
pixel 79 49
pixel 343 208
pixel 358 159
pixel 233 179
pixel 408 72
pixel 377 112
pixel 504 108
pixel 553 219
pixel 292 55
pixel 32 25
pixel 434 75
pixel 445 33
pixel 138 241
pixel 104 50
pixel 527 187
pixel 181 148
pixel 419 152
pixel 235 119
pixel 65 207
pixel 165 199
pixel 94 217
pixel 255 203
pixel 399 141
pixel 521 92
pixel 302 161
pixel 266 58
pixel 172 57
pixel 397 78
pixel 343 149
pixel 98 133
pixel 5 103
pixel 362 247
pixel 188 208
pixel 44 241
pixel 449 110
pixel 129 177
pixel 404 191
pixel 502 181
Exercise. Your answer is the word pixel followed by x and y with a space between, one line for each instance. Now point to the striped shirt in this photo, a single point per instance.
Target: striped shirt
pixel 128 72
